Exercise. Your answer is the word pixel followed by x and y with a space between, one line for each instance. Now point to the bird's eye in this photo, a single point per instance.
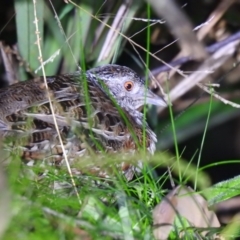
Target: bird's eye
pixel 128 85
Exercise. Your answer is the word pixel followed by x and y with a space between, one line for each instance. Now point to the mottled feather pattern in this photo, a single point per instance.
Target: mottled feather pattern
pixel 108 123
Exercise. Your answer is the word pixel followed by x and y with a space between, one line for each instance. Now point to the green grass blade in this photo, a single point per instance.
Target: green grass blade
pixel 26 33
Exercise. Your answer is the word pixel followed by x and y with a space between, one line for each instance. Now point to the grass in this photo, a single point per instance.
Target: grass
pixel 38 210
pixel 111 210
pixel 114 209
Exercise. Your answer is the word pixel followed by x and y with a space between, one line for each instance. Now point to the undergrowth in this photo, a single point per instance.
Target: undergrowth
pixel 44 204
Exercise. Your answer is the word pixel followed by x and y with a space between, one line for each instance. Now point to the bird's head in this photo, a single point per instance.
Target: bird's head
pixel 125 86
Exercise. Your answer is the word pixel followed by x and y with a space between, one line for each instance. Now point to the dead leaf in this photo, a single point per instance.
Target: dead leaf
pixel 182 201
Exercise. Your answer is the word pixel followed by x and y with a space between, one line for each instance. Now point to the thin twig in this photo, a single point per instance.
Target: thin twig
pixel 210 49
pixel 50 101
pixel 215 16
pixel 63 33
pixel 217 96
pixel 212 63
pixel 130 40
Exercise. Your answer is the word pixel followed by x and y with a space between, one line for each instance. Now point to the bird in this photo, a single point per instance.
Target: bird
pixel 96 111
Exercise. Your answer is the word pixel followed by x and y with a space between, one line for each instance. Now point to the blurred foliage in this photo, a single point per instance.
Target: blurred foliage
pixel 79 35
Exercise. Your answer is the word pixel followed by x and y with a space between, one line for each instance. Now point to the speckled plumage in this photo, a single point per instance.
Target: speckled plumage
pixel 95 111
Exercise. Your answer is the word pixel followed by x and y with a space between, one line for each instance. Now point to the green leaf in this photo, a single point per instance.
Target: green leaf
pixel 223 191
pixel 192 121
pixel 26 30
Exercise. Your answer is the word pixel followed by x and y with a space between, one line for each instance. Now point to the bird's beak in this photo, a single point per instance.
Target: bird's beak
pixel 153 99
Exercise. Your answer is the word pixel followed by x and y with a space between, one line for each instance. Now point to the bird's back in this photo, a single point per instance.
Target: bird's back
pixel 88 119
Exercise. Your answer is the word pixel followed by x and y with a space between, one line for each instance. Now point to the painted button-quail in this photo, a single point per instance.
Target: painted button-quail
pixel 96 111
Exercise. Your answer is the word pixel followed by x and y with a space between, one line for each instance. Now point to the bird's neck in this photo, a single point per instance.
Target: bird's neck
pixel 138 120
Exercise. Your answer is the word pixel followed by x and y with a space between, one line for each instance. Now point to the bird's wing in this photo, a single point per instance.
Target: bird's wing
pixel 94 124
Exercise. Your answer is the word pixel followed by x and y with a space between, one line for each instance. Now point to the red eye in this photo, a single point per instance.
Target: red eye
pixel 128 85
